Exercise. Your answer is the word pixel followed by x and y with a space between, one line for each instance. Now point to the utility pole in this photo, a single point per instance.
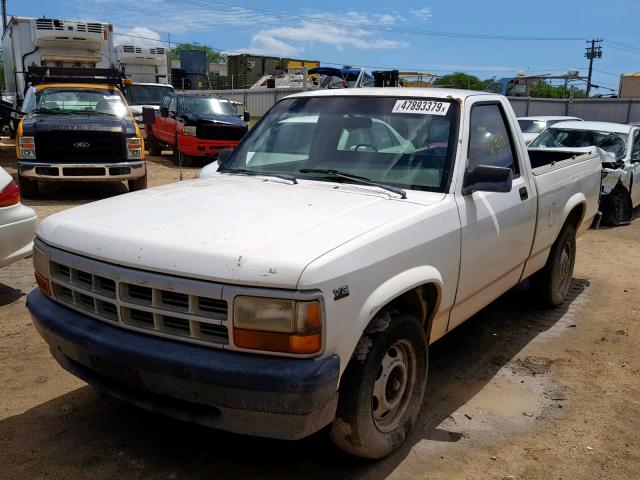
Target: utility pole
pixel 4 15
pixel 594 51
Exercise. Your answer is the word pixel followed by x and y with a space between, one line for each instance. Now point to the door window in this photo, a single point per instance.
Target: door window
pixel 490 141
pixel 172 104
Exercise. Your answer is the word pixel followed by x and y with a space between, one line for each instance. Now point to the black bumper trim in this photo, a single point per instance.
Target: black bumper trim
pixel 240 392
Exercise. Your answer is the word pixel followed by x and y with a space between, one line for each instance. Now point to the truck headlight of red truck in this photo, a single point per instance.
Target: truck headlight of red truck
pixel 26 148
pixel 277 324
pixel 189 130
pixel 134 148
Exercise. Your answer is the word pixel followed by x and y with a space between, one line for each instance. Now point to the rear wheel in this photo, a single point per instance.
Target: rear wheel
pixel 382 388
pixel 618 208
pixel 551 284
pixel 28 187
pixel 138 183
pixel 154 146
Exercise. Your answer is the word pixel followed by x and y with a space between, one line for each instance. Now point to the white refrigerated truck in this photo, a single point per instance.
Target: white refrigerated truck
pixel 47 42
pixel 143 64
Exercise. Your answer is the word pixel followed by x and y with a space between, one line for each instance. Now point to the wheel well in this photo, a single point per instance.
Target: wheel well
pixel 575 216
pixel 421 301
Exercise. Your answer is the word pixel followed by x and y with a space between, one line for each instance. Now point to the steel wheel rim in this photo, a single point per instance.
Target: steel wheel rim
pixel 394 386
pixel 565 267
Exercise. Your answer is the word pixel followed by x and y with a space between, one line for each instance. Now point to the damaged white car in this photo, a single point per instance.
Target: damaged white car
pixel 621 162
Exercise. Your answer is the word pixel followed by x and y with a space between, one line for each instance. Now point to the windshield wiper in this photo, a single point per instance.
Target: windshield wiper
pixel 255 173
pixel 355 178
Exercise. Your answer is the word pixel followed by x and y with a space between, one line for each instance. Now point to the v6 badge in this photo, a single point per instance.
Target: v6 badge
pixel 341 292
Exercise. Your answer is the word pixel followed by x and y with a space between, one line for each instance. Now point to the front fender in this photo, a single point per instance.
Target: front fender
pixel 396 286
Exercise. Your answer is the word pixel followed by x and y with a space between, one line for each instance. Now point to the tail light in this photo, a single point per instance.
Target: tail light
pixel 9 195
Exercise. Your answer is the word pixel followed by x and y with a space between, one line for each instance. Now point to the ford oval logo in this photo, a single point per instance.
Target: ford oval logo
pixel 81 145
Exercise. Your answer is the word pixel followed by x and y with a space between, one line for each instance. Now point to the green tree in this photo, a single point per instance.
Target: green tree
pixel 214 56
pixel 542 89
pixel 462 80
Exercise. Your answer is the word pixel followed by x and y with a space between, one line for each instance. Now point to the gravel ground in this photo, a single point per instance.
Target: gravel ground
pixel 514 393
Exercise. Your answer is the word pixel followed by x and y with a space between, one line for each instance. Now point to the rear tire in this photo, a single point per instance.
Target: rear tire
pixel 138 184
pixel 618 208
pixel 28 188
pixel 551 284
pixel 382 388
pixel 154 146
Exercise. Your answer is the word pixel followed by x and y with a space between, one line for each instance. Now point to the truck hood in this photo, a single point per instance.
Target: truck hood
pixel 195 118
pixel 232 229
pixel 42 122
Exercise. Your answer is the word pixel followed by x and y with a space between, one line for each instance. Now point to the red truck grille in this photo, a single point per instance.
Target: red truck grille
pixel 80 147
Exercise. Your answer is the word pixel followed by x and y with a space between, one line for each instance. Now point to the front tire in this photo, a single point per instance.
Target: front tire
pixel 138 184
pixel 28 188
pixel 154 145
pixel 551 284
pixel 382 388
pixel 618 208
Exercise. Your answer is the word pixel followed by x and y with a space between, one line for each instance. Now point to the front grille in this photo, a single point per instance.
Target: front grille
pixel 220 132
pixel 65 146
pixel 179 314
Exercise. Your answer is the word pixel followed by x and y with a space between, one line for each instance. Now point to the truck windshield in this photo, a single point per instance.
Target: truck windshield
pixel 86 101
pixel 532 126
pixel 146 94
pixel 613 142
pixel 205 106
pixel 401 142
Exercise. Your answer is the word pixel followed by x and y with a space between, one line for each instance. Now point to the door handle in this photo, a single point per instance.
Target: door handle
pixel 523 193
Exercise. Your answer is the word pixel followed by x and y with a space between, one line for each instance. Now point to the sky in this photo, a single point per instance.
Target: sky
pixel 488 39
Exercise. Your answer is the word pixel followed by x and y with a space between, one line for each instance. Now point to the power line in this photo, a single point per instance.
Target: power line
pixel 256 12
pixel 381 67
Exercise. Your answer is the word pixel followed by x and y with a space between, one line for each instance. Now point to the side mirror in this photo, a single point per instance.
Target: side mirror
pixel 164 111
pixel 148 116
pixel 172 114
pixel 487 178
pixel 246 117
pixel 223 157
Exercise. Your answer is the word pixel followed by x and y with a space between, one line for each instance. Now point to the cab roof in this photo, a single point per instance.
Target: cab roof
pixel 596 126
pixel 93 86
pixel 401 92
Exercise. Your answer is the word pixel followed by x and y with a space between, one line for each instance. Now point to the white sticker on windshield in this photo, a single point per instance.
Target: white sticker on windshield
pixel 423 107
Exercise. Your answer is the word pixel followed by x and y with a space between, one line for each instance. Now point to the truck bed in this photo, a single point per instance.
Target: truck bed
pixel 560 178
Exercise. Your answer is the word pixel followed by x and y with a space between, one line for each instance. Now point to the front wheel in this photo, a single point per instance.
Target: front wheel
pixel 551 284
pixel 138 183
pixel 154 145
pixel 618 208
pixel 28 187
pixel 382 388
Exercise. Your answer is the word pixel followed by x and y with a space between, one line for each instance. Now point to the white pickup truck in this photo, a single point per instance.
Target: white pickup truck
pixel 301 284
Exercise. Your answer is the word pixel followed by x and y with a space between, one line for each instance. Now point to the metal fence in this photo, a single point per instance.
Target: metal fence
pixel 620 110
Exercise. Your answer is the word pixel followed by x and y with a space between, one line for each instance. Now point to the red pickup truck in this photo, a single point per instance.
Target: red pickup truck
pixel 195 125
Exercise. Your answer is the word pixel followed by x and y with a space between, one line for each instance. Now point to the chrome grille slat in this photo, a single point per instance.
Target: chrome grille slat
pixel 182 315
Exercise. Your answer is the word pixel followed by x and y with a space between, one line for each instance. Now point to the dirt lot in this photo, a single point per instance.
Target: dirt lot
pixel 514 393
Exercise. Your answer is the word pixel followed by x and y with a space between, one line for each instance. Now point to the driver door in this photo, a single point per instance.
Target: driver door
pixel 635 168
pixel 497 228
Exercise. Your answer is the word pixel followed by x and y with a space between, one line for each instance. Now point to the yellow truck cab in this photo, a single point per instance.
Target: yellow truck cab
pixel 78 131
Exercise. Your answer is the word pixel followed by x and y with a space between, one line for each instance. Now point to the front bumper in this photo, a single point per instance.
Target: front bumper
pixel 198 147
pixel 83 171
pixel 244 393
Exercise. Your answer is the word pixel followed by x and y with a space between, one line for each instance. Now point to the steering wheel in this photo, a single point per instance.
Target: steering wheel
pixel 366 146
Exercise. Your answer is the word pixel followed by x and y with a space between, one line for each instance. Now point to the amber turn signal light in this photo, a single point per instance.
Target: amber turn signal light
pixel 277 342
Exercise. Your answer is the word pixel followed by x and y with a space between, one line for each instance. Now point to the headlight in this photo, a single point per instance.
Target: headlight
pixel 277 325
pixel 134 148
pixel 27 148
pixel 41 270
pixel 189 130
